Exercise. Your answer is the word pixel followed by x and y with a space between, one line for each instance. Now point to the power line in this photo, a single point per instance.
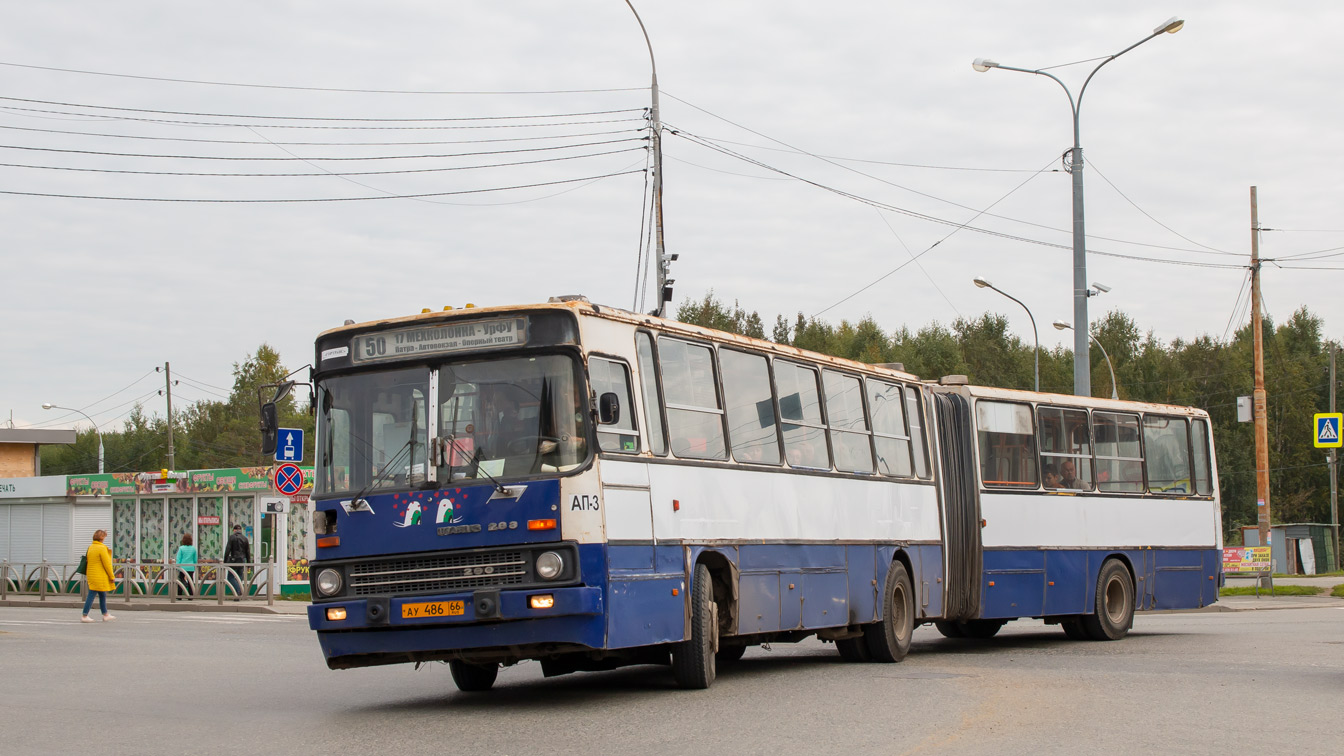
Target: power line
pixel 325 173
pixel 294 200
pixel 1211 250
pixel 543 137
pixel 325 157
pixel 532 116
pixel 179 122
pixel 323 89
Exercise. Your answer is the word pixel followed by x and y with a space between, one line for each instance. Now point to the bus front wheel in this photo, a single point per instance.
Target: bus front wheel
pixel 473 678
pixel 693 660
pixel 889 640
pixel 1114 614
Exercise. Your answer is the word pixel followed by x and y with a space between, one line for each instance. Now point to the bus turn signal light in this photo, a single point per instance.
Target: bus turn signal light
pixel 336 613
pixel 541 524
pixel 328 541
pixel 544 601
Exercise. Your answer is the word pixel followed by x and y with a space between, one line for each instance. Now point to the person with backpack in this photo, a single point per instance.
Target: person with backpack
pixel 98 573
pixel 237 552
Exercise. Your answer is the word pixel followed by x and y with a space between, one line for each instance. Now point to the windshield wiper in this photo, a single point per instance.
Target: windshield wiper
pixel 387 468
pixel 452 439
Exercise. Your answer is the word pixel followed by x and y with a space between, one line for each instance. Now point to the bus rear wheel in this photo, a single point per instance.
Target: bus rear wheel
pixel 853 649
pixel 473 678
pixel 1073 627
pixel 693 660
pixel 889 640
pixel 949 629
pixel 1114 614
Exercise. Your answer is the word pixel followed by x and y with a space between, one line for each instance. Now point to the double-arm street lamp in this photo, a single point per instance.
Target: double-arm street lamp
pixel 49 406
pixel 1061 325
pixel 982 283
pixel 1082 369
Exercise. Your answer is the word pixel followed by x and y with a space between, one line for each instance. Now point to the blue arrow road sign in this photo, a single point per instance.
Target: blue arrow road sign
pixel 289 445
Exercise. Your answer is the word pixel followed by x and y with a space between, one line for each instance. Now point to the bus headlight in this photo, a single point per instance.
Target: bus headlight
pixel 550 565
pixel 328 582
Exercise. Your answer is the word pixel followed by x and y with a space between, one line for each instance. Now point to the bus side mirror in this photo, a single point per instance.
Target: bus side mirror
pixel 270 428
pixel 608 409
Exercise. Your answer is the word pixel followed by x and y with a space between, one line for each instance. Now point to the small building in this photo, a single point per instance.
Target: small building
pixel 1303 548
pixel 21 450
pixel 53 518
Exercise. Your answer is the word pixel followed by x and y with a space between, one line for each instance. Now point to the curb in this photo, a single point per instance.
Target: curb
pixel 121 606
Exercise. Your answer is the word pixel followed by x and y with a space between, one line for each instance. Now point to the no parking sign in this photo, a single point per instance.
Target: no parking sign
pixel 288 479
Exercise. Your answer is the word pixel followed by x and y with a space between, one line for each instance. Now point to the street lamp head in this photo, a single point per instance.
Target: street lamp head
pixel 1062 325
pixel 983 64
pixel 982 283
pixel 1170 26
pixel 47 405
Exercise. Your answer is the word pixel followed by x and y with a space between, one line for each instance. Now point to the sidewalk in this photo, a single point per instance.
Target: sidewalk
pixel 162 604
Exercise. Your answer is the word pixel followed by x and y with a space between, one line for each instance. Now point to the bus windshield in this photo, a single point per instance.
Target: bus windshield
pixel 508 418
pixel 373 433
pixel 501 418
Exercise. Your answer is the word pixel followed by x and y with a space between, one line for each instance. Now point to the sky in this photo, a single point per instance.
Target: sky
pixel 810 150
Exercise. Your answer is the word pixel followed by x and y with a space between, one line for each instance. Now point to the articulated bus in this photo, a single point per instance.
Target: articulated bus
pixel 592 488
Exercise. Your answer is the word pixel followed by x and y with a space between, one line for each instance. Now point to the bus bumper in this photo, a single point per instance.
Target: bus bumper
pixel 375 627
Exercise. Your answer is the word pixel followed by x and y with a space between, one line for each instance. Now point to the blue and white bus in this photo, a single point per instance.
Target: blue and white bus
pixel 591 488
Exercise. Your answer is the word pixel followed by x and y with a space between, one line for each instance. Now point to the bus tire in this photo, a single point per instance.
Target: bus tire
pixel 729 655
pixel 853 649
pixel 693 659
pixel 888 641
pixel 949 629
pixel 1073 627
pixel 1114 614
pixel 981 629
pixel 473 678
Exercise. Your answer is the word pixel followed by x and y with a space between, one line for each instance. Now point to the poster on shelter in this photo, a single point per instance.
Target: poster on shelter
pixel 1245 559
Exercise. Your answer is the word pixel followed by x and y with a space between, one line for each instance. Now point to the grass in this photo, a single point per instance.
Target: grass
pixel 1279 590
pixel 1338 592
pixel 305 596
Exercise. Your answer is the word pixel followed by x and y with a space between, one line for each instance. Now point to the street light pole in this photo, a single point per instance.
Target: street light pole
pixel 1061 325
pixel 1082 367
pixel 664 262
pixel 984 284
pixel 49 405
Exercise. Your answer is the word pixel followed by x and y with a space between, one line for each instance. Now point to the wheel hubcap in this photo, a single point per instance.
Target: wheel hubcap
pixel 1115 600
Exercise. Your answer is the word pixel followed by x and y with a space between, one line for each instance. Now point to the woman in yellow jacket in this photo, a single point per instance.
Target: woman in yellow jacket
pixel 99 575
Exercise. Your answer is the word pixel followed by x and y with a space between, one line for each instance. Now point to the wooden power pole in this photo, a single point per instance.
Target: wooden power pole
pixel 1261 426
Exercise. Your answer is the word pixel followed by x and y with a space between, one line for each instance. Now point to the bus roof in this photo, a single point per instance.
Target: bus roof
pixel 664 325
pixel 1092 402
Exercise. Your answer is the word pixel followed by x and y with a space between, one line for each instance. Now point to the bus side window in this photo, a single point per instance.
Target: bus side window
pixel 1007 444
pixel 919 442
pixel 1166 442
pixel 752 425
pixel 610 377
pixel 887 407
pixel 800 416
pixel 648 384
pixel 1119 453
pixel 1199 436
pixel 849 428
pixel 1066 448
pixel 694 417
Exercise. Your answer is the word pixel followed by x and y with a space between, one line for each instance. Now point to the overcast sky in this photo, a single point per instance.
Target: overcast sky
pixel 97 292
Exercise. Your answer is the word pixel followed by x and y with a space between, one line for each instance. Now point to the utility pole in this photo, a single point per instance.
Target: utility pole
pixel 1258 400
pixel 663 259
pixel 168 393
pixel 1333 457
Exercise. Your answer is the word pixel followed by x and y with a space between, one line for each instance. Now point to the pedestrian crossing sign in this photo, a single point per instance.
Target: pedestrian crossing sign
pixel 1327 429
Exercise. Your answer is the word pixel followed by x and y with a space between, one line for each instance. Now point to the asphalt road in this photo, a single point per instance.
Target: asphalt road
pixel 175 683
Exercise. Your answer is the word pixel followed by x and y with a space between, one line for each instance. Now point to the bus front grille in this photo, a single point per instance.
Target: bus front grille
pixel 439 573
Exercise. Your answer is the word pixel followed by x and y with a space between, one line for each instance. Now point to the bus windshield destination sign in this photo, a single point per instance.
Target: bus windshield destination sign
pixel 439 339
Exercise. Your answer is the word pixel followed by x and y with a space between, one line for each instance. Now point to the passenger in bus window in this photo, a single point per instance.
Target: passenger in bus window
pixel 1068 475
pixel 1051 477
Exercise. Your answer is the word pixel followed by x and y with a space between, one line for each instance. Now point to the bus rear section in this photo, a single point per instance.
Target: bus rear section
pixel 1079 511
